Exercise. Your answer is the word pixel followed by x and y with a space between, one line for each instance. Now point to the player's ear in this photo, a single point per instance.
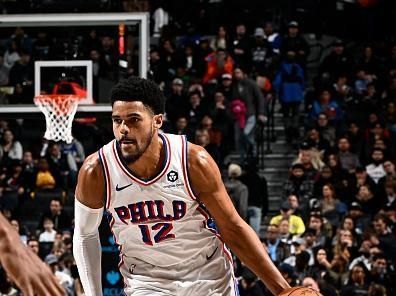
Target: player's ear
pixel 158 119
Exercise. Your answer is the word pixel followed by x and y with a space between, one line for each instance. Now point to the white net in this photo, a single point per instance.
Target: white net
pixel 59 111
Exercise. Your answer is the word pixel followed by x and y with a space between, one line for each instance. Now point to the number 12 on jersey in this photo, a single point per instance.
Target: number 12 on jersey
pixel 163 233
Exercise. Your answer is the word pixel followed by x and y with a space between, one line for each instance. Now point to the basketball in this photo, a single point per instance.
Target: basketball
pixel 300 291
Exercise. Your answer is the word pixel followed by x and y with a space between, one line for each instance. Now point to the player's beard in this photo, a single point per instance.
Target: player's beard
pixel 132 156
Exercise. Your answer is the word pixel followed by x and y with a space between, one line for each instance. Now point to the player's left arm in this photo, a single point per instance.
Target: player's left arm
pixel 236 233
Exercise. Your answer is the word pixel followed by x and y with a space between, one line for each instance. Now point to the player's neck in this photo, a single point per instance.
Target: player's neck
pixel 150 163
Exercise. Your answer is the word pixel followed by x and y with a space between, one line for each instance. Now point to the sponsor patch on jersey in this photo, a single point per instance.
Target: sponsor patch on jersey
pixel 172 176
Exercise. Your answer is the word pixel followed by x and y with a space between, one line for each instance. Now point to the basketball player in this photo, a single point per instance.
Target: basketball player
pixel 158 191
pixel 28 272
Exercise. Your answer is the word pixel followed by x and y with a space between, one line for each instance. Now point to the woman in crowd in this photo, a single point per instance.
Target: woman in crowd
pixel 358 283
pixel 10 149
pixel 345 245
pixel 319 269
pixel 332 208
pixel 221 40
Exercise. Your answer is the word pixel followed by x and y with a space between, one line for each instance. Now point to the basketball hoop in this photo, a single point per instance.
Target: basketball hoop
pixel 59 111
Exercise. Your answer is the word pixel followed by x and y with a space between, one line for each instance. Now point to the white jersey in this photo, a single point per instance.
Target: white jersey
pixel 158 220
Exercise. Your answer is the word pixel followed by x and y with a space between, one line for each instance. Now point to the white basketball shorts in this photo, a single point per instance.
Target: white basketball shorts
pixel 209 273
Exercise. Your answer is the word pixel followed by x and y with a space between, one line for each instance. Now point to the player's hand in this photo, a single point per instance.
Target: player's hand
pixel 27 270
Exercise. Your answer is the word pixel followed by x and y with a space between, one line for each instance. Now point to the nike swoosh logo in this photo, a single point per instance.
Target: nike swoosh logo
pixel 210 257
pixel 123 187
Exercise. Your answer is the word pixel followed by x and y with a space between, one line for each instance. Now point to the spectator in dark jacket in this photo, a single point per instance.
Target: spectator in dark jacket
pixel 240 47
pixel 349 161
pixel 258 194
pixel 317 141
pixel 181 128
pixel 386 240
pixel 225 86
pixel 367 199
pixel 326 130
pixel 56 213
pixel 195 110
pixel 222 120
pixel 382 273
pixel 177 102
pixel 325 177
pixel 298 184
pixel 262 55
pixel 57 164
pixel 293 41
pixel 250 285
pixel 188 60
pixel 11 187
pixel 389 199
pixel 337 63
pixel 22 74
pixel 370 63
pixel 28 171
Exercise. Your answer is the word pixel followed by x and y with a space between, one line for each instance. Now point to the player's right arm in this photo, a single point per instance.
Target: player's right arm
pixel 88 214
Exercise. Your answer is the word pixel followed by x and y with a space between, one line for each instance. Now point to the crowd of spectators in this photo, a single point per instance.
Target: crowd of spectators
pixel 335 230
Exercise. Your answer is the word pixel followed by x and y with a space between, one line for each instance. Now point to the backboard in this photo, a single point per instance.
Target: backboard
pixel 46 71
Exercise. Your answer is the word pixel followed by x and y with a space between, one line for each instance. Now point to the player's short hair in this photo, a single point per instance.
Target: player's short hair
pixel 139 89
